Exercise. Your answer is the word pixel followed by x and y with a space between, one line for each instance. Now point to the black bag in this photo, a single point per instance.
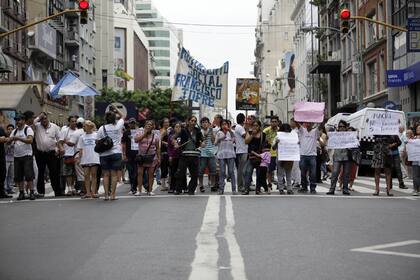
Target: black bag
pixel 355 155
pixel 146 159
pixel 104 144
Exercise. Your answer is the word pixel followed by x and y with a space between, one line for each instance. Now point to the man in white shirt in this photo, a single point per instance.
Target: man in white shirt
pixel 308 137
pixel 241 150
pixel 47 135
pixel 22 138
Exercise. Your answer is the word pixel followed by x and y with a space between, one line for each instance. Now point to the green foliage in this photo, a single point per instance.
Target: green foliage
pixel 157 100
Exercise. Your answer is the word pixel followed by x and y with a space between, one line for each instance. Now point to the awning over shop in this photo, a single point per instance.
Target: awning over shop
pixel 326 67
pixel 403 77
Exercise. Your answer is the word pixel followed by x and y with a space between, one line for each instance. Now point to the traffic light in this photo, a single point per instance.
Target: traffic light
pixel 345 17
pixel 84 7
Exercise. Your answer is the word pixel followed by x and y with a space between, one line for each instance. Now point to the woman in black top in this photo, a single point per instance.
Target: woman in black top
pixel 255 139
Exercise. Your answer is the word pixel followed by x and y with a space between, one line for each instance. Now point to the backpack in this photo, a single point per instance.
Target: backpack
pixel 25 131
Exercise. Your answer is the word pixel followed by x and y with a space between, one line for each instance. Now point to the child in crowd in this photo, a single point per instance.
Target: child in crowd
pixel 262 170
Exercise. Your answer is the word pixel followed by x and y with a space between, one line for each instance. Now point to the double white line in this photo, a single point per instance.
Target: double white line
pixel 204 266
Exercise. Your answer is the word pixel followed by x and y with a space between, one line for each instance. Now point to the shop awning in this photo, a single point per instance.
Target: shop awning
pixel 11 95
pixel 326 67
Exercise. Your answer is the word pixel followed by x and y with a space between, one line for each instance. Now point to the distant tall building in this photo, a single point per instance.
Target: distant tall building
pixel 164 40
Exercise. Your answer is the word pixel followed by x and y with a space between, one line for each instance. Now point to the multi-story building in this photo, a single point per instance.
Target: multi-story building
pixel 274 37
pixel 164 41
pixel 305 48
pixel 14 55
pixel 131 49
pixel 406 96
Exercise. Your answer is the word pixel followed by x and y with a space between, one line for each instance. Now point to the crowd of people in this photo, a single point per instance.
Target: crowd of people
pixel 179 154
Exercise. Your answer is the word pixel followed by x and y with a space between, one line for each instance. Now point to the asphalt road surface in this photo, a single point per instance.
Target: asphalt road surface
pixel 212 237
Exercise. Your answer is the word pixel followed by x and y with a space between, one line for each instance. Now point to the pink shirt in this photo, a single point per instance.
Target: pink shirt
pixel 265 159
pixel 145 142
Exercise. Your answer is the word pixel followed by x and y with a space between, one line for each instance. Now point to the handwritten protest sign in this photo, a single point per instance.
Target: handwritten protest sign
pixel 413 150
pixel 288 147
pixel 342 140
pixel 309 111
pixel 208 87
pixel 383 122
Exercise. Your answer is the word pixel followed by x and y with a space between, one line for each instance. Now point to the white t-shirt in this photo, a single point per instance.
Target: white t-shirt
pixel 134 145
pixel 308 141
pixel 241 147
pixel 87 144
pixel 22 149
pixel 114 131
pixel 71 136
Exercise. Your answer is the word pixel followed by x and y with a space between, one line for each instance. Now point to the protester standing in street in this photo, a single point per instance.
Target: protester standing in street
pixel 149 156
pixel 164 163
pixel 382 158
pixel 111 159
pixel 129 151
pixel 296 174
pixel 284 168
pixel 225 140
pixel 241 151
pixel 271 133
pixel 47 136
pixel 191 139
pixel 89 159
pixel 174 153
pixel 9 148
pixel 207 156
pixel 416 169
pixel 3 139
pixel 341 160
pixel 308 137
pixel 262 170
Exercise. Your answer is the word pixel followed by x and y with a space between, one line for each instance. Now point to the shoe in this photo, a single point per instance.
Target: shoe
pixel 281 191
pixel 302 190
pixel 177 193
pixel 313 191
pixel 137 193
pixel 39 195
pixel 202 189
pixel 290 192
pixel 5 195
pixel 220 192
pixel 415 193
pixel 346 192
pixel 171 191
pixel 95 195
pixel 32 195
pixel 402 186
pixel 389 194
pixel 330 192
pixel 376 193
pixel 21 196
pixel 151 194
pixel 11 192
pixel 245 193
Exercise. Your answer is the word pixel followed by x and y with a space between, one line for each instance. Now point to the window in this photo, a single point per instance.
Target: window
pixel 150 23
pixel 162 83
pixel 158 33
pixel 163 53
pixel 371 78
pixel 162 63
pixel 382 74
pixel 143 6
pixel 159 43
pixel 163 73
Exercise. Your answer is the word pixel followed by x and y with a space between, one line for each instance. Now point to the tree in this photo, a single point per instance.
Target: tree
pixel 158 101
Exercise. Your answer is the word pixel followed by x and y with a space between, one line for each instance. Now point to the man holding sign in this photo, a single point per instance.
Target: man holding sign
pixel 340 141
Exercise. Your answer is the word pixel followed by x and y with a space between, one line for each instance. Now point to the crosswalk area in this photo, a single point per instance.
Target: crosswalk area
pixel 363 186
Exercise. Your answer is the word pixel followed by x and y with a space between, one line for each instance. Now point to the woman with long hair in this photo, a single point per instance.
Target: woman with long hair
pixel 164 164
pixel 225 140
pixel 284 168
pixel 174 153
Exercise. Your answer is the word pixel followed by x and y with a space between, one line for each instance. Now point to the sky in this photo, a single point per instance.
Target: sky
pixel 212 46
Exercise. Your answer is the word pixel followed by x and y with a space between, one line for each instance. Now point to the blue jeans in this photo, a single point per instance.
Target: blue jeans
pixel 249 170
pixel 308 164
pixel 346 164
pixel 231 171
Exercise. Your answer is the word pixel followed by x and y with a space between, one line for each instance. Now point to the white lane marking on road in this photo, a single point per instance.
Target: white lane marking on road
pixel 377 249
pixel 204 266
pixel 236 260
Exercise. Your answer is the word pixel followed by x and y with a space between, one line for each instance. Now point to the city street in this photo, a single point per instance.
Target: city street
pixel 213 237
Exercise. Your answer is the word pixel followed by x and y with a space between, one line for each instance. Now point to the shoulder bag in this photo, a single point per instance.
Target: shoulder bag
pixel 146 159
pixel 104 144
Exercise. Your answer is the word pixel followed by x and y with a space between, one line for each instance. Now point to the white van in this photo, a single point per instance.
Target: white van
pixel 334 120
pixel 366 128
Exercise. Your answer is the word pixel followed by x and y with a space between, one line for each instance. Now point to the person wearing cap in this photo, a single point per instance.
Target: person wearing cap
pixel 129 151
pixel 22 137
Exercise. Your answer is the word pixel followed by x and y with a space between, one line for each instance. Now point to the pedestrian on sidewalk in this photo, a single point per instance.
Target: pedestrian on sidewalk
pixel 3 139
pixel 296 175
pixel 284 168
pixel 89 159
pixel 22 137
pixel 225 141
pixel 9 148
pixel 262 171
pixel 271 133
pixel 129 151
pixel 111 159
pixel 148 157
pixel 341 160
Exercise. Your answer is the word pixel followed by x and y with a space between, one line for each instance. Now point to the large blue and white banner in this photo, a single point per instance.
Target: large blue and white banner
pixel 72 85
pixel 208 87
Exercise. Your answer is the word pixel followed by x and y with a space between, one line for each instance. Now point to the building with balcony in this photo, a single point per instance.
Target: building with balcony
pixel 303 15
pixel 274 37
pixel 164 41
pixel 14 47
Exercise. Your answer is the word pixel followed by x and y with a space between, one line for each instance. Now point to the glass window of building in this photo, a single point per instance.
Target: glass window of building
pixel 159 43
